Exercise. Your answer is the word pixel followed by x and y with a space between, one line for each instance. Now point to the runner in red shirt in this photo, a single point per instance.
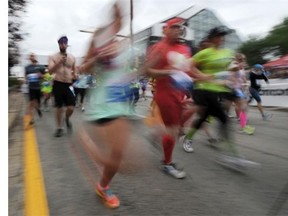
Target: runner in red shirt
pixel 169 56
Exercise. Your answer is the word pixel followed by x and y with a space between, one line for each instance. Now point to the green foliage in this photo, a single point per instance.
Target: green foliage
pixel 274 44
pixel 14 82
pixel 252 49
pixel 278 37
pixel 15 9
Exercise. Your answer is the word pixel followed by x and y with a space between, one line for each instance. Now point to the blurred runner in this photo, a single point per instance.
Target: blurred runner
pixel 143 84
pixel 134 97
pixel 167 61
pixel 80 86
pixel 206 94
pixel 190 108
pixel 46 88
pixel 258 73
pixel 107 111
pixel 33 76
pixel 238 83
pixel 62 65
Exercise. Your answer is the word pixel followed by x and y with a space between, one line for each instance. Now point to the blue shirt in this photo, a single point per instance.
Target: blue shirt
pixel 32 73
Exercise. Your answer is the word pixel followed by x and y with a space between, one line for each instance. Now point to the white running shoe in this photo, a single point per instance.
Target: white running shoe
pixel 237 163
pixel 173 171
pixel 248 163
pixel 266 116
pixel 231 163
pixel 187 145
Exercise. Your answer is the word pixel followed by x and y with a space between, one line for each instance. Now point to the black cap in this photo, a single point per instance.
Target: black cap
pixel 63 39
pixel 218 31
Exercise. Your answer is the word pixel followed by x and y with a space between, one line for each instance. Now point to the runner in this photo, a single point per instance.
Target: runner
pixel 46 88
pixel 134 97
pixel 238 83
pixel 214 60
pixel 143 84
pixel 108 106
pixel 164 57
pixel 33 76
pixel 258 73
pixel 62 66
pixel 80 86
pixel 190 109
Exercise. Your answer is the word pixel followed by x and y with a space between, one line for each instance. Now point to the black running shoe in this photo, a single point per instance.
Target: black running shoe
pixel 59 132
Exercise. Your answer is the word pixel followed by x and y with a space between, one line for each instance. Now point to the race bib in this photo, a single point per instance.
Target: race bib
pixel 182 81
pixel 118 93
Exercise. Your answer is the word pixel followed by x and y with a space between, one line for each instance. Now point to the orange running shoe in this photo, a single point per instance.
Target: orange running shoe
pixel 110 199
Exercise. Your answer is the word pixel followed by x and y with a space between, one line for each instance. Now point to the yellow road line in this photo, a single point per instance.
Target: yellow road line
pixel 35 195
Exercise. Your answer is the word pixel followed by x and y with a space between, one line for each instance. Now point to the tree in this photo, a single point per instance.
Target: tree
pixel 274 44
pixel 253 51
pixel 277 38
pixel 15 34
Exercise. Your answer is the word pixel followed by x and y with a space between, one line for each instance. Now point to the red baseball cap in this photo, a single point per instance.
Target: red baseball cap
pixel 177 21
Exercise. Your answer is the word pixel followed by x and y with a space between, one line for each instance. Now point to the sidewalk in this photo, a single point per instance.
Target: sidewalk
pixel 16 107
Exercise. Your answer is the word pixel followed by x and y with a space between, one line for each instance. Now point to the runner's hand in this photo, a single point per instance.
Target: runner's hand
pixel 109 51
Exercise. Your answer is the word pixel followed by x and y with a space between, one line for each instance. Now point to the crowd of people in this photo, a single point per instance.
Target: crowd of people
pixel 60 81
pixel 200 86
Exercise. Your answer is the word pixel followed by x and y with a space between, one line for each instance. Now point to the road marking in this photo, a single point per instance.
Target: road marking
pixel 35 194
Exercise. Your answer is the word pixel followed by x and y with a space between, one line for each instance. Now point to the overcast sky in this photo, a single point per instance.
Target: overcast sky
pixel 46 20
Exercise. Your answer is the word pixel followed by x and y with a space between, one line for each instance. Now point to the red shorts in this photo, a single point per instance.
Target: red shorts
pixel 170 107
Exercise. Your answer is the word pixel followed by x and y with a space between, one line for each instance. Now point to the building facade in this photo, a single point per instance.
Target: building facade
pixel 198 22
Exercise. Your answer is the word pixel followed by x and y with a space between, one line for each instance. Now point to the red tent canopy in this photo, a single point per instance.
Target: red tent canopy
pixel 278 63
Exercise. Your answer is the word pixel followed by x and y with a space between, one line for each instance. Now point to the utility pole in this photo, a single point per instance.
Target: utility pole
pixel 131 22
pixel 134 64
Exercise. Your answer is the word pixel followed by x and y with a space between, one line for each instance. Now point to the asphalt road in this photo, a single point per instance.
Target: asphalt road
pixel 209 189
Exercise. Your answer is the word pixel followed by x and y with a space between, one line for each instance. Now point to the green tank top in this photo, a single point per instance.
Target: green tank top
pixel 212 61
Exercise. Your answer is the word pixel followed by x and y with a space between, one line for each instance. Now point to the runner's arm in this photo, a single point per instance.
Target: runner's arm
pixel 153 59
pixel 196 74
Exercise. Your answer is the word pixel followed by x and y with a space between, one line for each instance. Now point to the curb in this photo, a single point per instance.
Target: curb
pixel 16 103
pixel 13 117
pixel 273 108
